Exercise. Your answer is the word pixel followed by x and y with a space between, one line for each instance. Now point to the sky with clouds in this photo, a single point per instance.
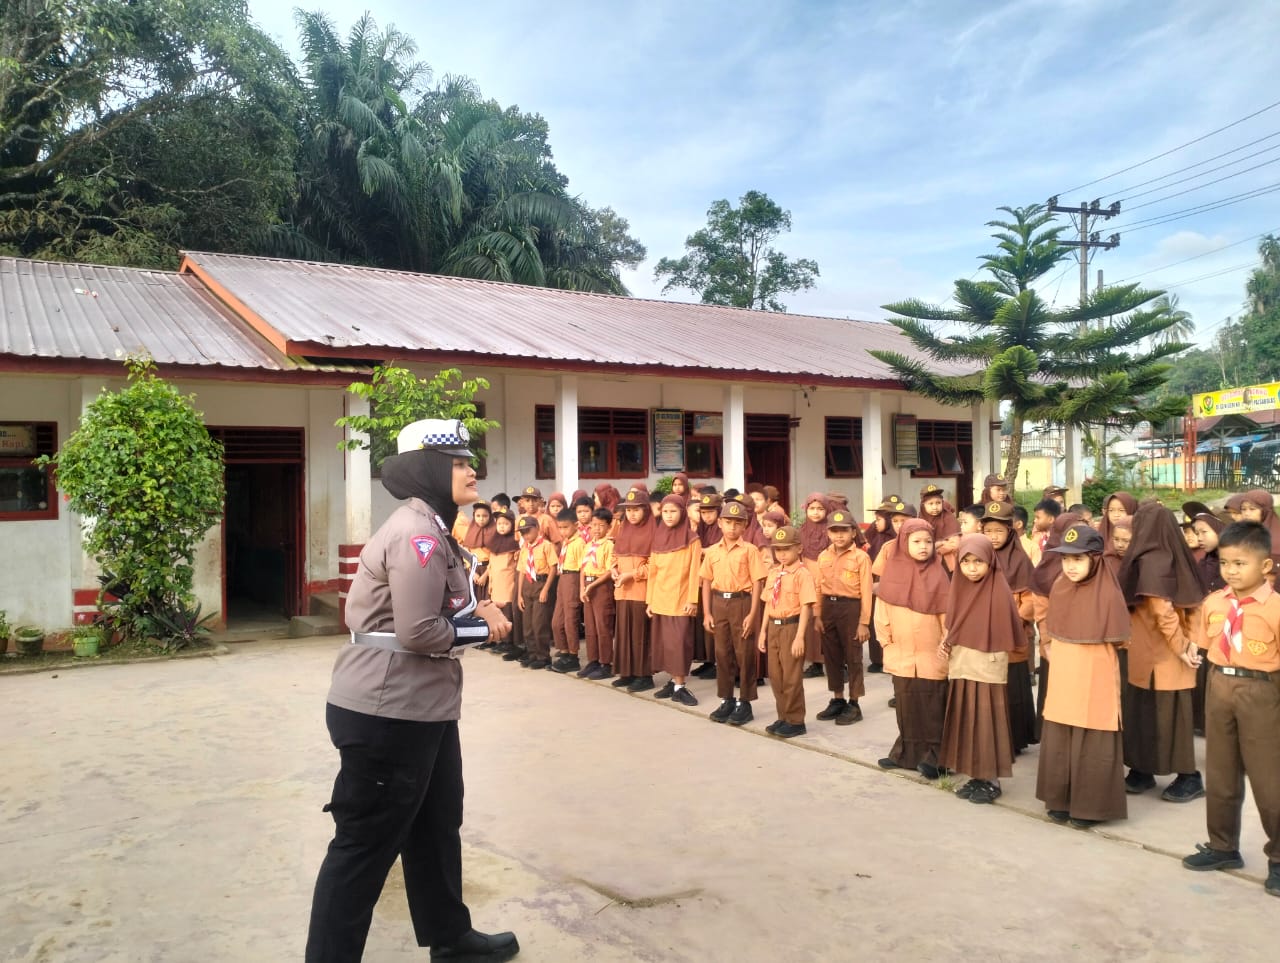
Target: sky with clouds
pixel 891 131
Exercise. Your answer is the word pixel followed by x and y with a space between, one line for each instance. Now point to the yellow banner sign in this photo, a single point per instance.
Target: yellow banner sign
pixel 1237 401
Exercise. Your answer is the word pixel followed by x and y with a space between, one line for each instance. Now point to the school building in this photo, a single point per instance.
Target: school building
pixel 587 389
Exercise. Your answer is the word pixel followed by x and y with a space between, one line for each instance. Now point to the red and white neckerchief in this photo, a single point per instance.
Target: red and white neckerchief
pixel 564 550
pixel 530 569
pixel 584 532
pixel 1232 629
pixel 590 557
pixel 776 590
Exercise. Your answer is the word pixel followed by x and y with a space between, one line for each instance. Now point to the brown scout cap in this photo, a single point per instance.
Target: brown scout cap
pixel 735 510
pixel 1080 539
pixel 526 522
pixel 891 504
pixel 531 492
pixel 840 519
pixel 930 491
pixel 710 502
pixel 995 480
pixel 1054 490
pixel 998 511
pixel 786 535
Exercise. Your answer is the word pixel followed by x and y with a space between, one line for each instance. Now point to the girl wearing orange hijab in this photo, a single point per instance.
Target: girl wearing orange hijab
pixel 671 598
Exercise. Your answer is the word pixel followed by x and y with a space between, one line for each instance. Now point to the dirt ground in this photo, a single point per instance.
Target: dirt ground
pixel 172 812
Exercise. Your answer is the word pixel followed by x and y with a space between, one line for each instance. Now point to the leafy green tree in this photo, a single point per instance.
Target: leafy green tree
pixel 129 130
pixel 732 262
pixel 147 480
pixel 1181 327
pixel 397 397
pixel 1080 366
pixel 1260 325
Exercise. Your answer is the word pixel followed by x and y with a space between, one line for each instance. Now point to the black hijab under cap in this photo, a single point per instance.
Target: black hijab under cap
pixel 426 474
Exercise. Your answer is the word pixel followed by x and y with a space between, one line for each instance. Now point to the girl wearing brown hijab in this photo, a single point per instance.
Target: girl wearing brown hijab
pixel 476 540
pixel 813 542
pixel 1257 505
pixel 1163 589
pixel 1015 565
pixel 983 628
pixel 671 598
pixel 995 488
pixel 1081 775
pixel 910 607
pixel 1208 527
pixel 500 575
pixel 1114 508
pixel 941 517
pixel 631 548
pixel 1043 576
pixel 1232 506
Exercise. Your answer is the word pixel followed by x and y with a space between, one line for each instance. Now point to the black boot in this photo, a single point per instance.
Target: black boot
pixel 473 947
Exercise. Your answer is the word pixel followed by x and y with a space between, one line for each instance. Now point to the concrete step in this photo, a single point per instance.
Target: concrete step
pixel 304 626
pixel 324 603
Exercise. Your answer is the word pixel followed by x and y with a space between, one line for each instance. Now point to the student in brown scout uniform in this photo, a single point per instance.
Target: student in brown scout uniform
pixel 597 598
pixel 1163 590
pixel 983 628
pixel 842 614
pixel 731 575
pixel 1115 507
pixel 1208 528
pixel 813 542
pixel 631 549
pixel 671 598
pixel 500 576
pixel 568 607
pixel 789 597
pixel 1081 775
pixel 706 509
pixel 1239 627
pixel 537 564
pixel 997 526
pixel 995 488
pixel 879 535
pixel 943 521
pixel 1257 505
pixel 1043 577
pixel 476 540
pixel 1056 493
pixel 911 602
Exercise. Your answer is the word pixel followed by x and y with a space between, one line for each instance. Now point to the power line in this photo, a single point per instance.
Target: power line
pixel 1207 160
pixel 1199 209
pixel 1196 257
pixel 1218 180
pixel 1213 274
pixel 1211 170
pixel 1173 150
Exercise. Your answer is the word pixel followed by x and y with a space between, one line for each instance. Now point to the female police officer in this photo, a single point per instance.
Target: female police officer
pixel 393 715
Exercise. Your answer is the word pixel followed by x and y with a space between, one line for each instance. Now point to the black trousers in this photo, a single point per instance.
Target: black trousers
pixel 398 793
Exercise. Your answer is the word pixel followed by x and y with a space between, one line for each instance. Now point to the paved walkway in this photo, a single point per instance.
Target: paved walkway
pixel 171 812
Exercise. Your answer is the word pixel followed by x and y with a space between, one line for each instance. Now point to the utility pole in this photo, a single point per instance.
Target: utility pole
pixel 1094 209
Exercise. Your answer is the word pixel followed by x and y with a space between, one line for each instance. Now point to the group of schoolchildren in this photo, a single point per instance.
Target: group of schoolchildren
pixel 1156 629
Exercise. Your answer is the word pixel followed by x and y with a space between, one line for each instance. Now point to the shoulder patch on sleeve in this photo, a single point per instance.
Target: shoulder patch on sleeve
pixel 424 546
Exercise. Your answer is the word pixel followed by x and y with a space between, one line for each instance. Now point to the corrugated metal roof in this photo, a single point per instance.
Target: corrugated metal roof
pixel 362 312
pixel 93 312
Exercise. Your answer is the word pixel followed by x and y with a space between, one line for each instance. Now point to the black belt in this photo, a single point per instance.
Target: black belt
pixel 842 598
pixel 1237 672
pixel 569 571
pixel 540 578
pixel 791 620
pixel 731 595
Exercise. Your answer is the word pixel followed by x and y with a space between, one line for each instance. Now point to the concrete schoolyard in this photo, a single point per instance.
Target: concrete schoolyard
pixel 171 811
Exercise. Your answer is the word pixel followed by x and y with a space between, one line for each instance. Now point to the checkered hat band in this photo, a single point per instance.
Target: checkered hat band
pixel 441 440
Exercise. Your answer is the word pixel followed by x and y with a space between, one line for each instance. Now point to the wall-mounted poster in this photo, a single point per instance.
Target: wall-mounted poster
pixel 668 439
pixel 906 442
pixel 705 425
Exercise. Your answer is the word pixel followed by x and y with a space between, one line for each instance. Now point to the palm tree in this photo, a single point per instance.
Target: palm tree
pixel 1181 326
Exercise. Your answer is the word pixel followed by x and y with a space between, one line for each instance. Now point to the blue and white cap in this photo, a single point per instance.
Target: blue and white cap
pixel 436 434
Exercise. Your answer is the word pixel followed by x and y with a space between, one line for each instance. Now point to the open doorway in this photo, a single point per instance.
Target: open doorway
pixel 263 528
pixel 768 450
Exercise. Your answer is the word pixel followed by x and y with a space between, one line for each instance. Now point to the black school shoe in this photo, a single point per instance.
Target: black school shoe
pixel 887 763
pixel 833 709
pixel 1272 885
pixel 772 727
pixel 1205 859
pixel 1184 789
pixel 852 713
pixel 623 681
pixel 600 672
pixel 538 664
pixel 705 671
pixel 1058 815
pixel 985 793
pixel 514 654
pixel 1137 781
pixel 667 691
pixel 472 947
pixel 814 671
pixel 929 771
pixel 741 715
pixel 788 730
pixel 587 669
pixel 965 791
pixel 566 663
pixel 684 697
pixel 641 683
pixel 723 711
pixel 875 667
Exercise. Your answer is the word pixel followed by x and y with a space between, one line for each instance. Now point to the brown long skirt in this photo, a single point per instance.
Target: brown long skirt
pixel 1158 736
pixel 975 734
pixel 1081 772
pixel 672 637
pixel 632 635
pixel 921 710
pixel 1022 707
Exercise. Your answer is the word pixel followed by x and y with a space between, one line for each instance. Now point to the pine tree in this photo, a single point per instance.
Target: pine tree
pixel 1091 364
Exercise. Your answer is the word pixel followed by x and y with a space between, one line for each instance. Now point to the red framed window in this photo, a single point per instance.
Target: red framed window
pixel 946 449
pixel 612 442
pixel 843 440
pixel 27 493
pixel 703 453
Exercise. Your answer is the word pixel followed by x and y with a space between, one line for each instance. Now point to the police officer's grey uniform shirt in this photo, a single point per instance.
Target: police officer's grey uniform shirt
pixel 408 580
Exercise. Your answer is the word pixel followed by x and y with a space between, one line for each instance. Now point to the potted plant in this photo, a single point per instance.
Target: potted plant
pixel 4 631
pixel 86 640
pixel 28 640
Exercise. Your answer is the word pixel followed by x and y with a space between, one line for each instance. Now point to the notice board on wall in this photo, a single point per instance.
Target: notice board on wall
pixel 906 442
pixel 668 439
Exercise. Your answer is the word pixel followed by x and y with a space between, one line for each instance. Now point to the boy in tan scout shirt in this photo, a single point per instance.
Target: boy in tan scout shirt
pixel 567 610
pixel 843 616
pixel 789 598
pixel 1239 629
pixel 536 565
pixel 731 574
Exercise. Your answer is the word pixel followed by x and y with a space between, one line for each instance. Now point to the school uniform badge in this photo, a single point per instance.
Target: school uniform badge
pixel 424 546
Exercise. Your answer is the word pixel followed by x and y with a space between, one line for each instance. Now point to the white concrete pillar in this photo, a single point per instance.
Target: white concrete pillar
pixel 872 451
pixel 735 438
pixel 358 480
pixel 567 434
pixel 1074 452
pixel 981 445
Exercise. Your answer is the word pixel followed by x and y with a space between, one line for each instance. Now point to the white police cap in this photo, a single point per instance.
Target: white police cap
pixel 436 434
